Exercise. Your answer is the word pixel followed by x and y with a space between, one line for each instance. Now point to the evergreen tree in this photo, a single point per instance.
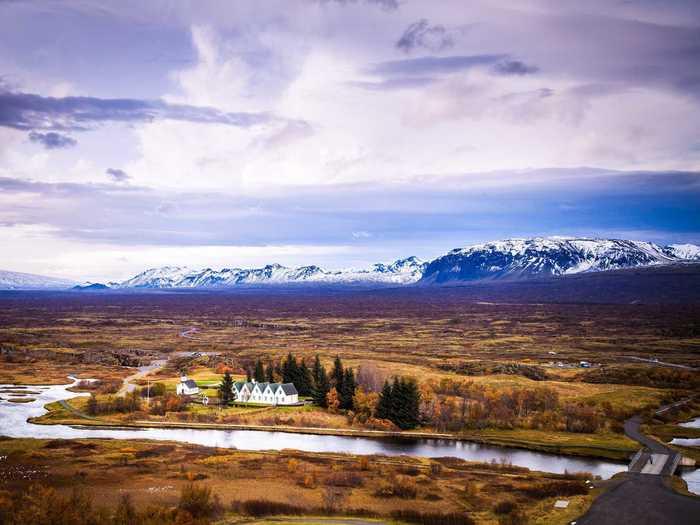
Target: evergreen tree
pixel 270 373
pixel 226 389
pixel 290 370
pixel 248 375
pixel 347 391
pixel 306 382
pixel 321 388
pixel 259 374
pixel 337 374
pixel 412 404
pixel 384 403
pixel 316 370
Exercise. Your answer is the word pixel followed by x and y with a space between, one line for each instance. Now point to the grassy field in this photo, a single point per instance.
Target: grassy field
pixel 436 339
pixel 155 473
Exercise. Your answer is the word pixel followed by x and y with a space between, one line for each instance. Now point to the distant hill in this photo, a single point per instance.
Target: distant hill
pixel 508 260
pixel 28 281
pixel 90 287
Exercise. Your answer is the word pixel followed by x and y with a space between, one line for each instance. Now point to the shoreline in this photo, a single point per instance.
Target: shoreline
pixel 591 451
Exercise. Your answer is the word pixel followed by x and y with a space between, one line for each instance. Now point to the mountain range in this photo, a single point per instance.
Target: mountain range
pixel 510 260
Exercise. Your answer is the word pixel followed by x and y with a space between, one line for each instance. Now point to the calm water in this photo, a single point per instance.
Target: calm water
pixel 686 442
pixel 13 423
pixel 693 423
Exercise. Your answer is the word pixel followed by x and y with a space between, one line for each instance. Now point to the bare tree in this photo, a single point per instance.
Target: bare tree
pixel 370 378
pixel 332 499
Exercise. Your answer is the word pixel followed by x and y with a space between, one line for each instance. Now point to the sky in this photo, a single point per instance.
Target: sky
pixel 339 133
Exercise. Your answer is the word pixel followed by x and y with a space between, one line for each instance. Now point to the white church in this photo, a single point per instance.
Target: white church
pixel 186 387
pixel 266 393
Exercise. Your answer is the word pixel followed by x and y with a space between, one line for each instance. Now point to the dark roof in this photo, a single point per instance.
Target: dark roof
pixel 191 384
pixel 289 389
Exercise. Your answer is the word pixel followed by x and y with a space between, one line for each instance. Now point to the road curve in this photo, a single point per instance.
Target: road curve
pixel 644 495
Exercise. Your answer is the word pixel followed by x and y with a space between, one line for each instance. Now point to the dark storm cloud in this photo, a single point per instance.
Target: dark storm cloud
pixel 28 111
pixel 117 175
pixel 514 67
pixel 421 34
pixel 433 65
pixel 52 140
pixel 581 199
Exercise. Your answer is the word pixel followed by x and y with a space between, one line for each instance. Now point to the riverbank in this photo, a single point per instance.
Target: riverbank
pixel 290 481
pixel 599 446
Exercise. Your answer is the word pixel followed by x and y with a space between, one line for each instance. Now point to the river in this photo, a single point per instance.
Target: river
pixel 13 423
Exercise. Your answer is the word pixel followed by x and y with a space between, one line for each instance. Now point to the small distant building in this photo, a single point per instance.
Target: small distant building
pixel 584 364
pixel 187 387
pixel 265 393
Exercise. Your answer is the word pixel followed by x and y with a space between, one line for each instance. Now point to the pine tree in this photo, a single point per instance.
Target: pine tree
pixel 321 387
pixel 412 406
pixel 306 382
pixel 226 389
pixel 259 374
pixel 248 375
pixel 316 370
pixel 347 391
pixel 337 374
pixel 384 403
pixel 270 373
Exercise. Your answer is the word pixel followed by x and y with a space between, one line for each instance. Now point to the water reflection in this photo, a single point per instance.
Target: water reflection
pixel 13 423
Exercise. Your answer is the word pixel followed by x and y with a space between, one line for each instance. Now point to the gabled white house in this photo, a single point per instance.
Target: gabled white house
pixel 266 393
pixel 187 387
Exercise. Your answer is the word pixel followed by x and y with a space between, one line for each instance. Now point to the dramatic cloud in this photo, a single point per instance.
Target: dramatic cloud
pixel 424 124
pixel 433 65
pixel 514 67
pixel 52 140
pixel 27 111
pixel 434 38
pixel 117 175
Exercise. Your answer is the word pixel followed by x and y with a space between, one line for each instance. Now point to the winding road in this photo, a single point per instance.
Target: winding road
pixel 128 386
pixel 644 496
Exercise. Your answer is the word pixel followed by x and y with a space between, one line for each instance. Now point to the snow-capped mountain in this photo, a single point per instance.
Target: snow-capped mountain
pixel 510 259
pixel 29 281
pixel 403 271
pixel 552 256
pixel 687 252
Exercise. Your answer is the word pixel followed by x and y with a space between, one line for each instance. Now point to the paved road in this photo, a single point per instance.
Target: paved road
pixel 642 499
pixel 128 386
pixel 658 363
pixel 643 496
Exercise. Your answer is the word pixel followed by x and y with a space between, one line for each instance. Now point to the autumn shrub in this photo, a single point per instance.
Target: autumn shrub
pixel 398 487
pixel 263 507
pixel 198 501
pixel 344 479
pixel 547 489
pixel 432 518
pixel 504 507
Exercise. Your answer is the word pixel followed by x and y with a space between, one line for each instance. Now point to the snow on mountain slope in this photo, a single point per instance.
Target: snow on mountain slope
pixel 688 252
pixel 28 281
pixel 541 257
pixel 403 271
pixel 509 259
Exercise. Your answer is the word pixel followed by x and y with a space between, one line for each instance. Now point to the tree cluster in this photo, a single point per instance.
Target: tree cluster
pixel 329 390
pixel 399 402
pixel 289 370
pixel 123 405
pixel 459 405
